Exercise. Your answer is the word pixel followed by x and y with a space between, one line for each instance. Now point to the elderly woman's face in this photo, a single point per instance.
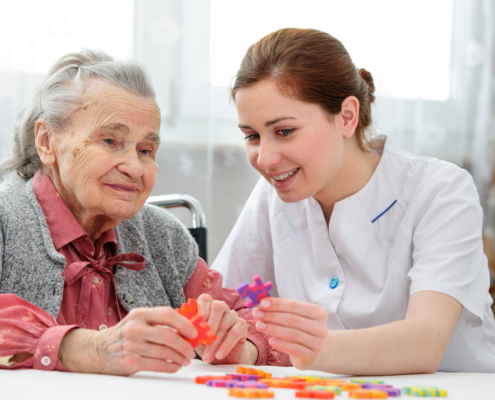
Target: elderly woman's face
pixel 106 162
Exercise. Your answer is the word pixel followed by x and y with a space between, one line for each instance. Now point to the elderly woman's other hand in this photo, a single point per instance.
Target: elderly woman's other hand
pixel 231 346
pixel 148 339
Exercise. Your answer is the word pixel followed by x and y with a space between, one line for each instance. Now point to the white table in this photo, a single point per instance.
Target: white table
pixel 39 385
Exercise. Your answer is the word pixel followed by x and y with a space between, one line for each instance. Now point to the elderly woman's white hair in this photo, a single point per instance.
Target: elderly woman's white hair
pixel 60 95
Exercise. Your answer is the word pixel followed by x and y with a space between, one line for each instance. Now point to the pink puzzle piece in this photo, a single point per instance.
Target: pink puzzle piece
pixel 255 292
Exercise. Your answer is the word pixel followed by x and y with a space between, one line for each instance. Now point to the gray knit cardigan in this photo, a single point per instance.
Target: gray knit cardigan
pixel 31 267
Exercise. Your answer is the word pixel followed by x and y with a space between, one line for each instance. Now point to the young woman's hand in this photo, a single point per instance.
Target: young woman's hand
pixel 231 346
pixel 298 329
pixel 147 339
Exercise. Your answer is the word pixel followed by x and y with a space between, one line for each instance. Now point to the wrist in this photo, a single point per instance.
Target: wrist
pixel 251 353
pixel 324 359
pixel 77 351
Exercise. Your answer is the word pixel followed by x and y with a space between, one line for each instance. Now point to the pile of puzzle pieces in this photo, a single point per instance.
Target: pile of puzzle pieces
pixel 190 311
pixel 255 383
pixel 244 383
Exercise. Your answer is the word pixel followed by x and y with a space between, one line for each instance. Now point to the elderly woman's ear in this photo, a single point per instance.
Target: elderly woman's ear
pixel 45 142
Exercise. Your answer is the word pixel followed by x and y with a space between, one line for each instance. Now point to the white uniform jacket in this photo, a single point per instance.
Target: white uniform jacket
pixel 415 226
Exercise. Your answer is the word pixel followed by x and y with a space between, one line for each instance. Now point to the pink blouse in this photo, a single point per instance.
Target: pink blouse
pixel 89 299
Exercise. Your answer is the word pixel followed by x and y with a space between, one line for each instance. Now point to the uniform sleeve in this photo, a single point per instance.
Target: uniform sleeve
pixel 248 249
pixel 208 281
pixel 448 252
pixel 31 333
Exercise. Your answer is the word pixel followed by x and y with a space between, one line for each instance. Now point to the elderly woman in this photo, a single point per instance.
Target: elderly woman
pixel 89 274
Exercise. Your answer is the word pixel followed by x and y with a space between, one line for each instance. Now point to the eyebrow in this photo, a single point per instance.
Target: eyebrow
pixel 267 123
pixel 116 127
pixel 153 136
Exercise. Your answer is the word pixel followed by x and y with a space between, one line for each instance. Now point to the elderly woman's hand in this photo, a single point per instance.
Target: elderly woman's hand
pixel 148 339
pixel 231 346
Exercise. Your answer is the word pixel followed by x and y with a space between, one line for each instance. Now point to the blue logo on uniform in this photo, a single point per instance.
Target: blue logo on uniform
pixel 334 282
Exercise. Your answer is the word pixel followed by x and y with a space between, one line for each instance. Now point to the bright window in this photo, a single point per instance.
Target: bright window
pixel 36 33
pixel 405 45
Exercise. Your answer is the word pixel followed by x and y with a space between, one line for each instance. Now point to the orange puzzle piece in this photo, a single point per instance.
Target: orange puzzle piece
pixel 367 394
pixel 189 309
pixel 346 386
pixel 251 393
pixel 252 371
pixel 277 383
pixel 203 379
pixel 204 334
pixel 315 394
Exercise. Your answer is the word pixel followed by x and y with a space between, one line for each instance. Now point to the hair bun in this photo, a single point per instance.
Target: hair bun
pixel 366 76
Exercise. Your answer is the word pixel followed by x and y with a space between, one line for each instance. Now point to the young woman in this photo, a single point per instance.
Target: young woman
pixel 375 253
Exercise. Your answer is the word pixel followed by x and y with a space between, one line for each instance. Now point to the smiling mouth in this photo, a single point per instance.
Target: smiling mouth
pixel 124 188
pixel 283 177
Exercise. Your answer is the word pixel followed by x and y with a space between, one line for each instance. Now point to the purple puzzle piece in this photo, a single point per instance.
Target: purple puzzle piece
pixel 255 292
pixel 247 384
pixel 243 377
pixel 391 391
pixel 218 383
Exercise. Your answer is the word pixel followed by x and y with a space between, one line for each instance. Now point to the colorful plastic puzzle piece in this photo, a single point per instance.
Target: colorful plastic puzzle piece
pixel 390 390
pixel 251 393
pixel 424 391
pixel 203 379
pixel 246 384
pixel 252 371
pixel 255 292
pixel 280 383
pixel 367 394
pixel 189 309
pixel 219 382
pixel 315 394
pixel 326 381
pixel 366 381
pixel 300 385
pixel 345 386
pixel 335 389
pixel 309 378
pixel 204 334
pixel 244 377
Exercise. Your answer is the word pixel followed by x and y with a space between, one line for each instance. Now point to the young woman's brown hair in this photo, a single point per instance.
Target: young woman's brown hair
pixel 311 66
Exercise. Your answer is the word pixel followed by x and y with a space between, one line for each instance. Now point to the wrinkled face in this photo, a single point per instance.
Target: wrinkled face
pixel 295 145
pixel 106 161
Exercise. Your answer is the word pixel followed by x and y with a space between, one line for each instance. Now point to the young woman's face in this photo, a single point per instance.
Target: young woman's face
pixel 296 146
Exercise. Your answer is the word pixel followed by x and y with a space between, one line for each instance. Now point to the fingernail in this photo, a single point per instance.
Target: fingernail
pixel 219 355
pixel 266 303
pixel 258 313
pixel 272 341
pixel 193 334
pixel 206 357
pixel 260 325
pixel 192 354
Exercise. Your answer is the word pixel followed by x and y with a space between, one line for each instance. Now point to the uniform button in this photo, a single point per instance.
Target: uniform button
pixel 46 361
pixel 334 282
pixel 128 298
pixel 95 280
pixel 103 327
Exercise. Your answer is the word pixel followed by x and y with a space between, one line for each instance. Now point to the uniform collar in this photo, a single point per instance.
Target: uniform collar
pixel 378 194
